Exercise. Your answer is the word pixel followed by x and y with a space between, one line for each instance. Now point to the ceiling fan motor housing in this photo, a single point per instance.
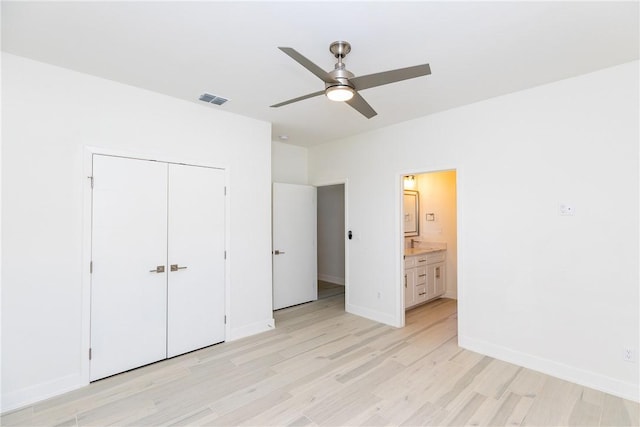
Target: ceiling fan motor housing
pixel 341 76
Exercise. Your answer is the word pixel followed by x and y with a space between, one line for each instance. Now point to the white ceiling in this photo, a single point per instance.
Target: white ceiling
pixel 477 50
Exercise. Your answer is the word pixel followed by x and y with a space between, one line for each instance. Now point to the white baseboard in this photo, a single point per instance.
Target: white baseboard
pixel 450 295
pixel 377 316
pixel 331 279
pixel 36 393
pixel 589 379
pixel 251 329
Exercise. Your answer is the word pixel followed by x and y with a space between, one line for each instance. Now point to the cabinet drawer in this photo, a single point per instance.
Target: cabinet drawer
pixel 421 275
pixel 436 257
pixel 421 293
pixel 421 260
pixel 409 262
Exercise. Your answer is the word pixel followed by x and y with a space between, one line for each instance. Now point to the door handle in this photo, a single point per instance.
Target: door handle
pixel 159 269
pixel 277 252
pixel 174 267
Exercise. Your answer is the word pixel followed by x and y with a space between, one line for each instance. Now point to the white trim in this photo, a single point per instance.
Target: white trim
pixel 377 316
pixel 613 386
pixel 87 171
pixel 38 392
pixel 251 329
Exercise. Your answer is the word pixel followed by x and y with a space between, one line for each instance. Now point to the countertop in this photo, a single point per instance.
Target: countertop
pixel 421 251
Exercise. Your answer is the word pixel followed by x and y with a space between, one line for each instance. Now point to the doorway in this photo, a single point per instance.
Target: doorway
pixel 331 240
pixel 430 236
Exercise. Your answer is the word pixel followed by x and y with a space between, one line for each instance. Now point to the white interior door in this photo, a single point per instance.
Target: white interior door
pixel 129 241
pixel 196 261
pixel 295 273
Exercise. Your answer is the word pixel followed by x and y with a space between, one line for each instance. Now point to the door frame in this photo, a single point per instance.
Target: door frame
pixel 400 240
pixel 87 216
pixel 345 183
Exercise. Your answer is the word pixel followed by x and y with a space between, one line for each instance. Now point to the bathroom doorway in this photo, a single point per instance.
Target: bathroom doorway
pixel 331 240
pixel 430 236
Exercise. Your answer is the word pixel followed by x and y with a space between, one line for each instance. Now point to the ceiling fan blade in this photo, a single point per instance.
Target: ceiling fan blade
pixel 386 77
pixel 319 72
pixel 300 98
pixel 362 106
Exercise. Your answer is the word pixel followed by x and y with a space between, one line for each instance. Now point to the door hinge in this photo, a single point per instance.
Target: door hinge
pixel 225 190
pixel 90 267
pixel 91 178
pixel 89 353
pixel 225 319
pixel 225 254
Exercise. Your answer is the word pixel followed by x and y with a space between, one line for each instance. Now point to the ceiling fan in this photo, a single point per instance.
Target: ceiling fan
pixel 341 85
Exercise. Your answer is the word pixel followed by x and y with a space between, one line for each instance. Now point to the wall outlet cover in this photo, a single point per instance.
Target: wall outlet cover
pixel 628 355
pixel 566 209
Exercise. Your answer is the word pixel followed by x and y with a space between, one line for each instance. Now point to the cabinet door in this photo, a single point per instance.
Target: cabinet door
pixel 196 245
pixel 439 277
pixel 129 243
pixel 431 281
pixel 409 287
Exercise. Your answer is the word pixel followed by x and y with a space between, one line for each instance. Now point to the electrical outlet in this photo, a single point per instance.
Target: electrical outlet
pixel 566 209
pixel 628 355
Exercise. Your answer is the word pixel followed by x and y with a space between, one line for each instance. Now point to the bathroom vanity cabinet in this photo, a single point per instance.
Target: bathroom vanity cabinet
pixel 424 276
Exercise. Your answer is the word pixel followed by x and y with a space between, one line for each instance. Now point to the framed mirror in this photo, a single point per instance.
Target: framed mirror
pixel 411 213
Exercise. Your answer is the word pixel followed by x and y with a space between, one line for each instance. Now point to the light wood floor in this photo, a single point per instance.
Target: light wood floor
pixel 328 289
pixel 322 366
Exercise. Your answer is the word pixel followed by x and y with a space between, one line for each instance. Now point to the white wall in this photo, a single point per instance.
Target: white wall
pixel 49 114
pixel 438 196
pixel 554 293
pixel 288 163
pixel 331 233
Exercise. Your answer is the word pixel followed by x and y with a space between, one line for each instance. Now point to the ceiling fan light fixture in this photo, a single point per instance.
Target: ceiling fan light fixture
pixel 339 93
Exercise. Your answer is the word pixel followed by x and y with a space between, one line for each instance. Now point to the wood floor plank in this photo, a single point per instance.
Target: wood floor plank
pixel 427 415
pixel 506 409
pixel 615 413
pixel 585 414
pixel 461 415
pixel 334 408
pixel 494 381
pixel 554 404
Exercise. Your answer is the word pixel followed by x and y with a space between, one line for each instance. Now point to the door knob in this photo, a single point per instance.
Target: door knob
pixel 277 252
pixel 159 269
pixel 174 267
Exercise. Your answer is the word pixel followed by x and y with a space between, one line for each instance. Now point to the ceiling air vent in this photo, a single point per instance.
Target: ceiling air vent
pixel 212 99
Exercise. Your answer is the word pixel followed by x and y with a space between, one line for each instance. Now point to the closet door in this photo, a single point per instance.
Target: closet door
pixel 129 253
pixel 196 258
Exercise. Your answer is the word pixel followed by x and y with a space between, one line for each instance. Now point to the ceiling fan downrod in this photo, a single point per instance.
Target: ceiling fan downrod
pixel 340 49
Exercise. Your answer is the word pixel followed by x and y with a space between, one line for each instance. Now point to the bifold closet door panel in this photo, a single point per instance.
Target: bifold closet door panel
pixel 129 243
pixel 196 292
